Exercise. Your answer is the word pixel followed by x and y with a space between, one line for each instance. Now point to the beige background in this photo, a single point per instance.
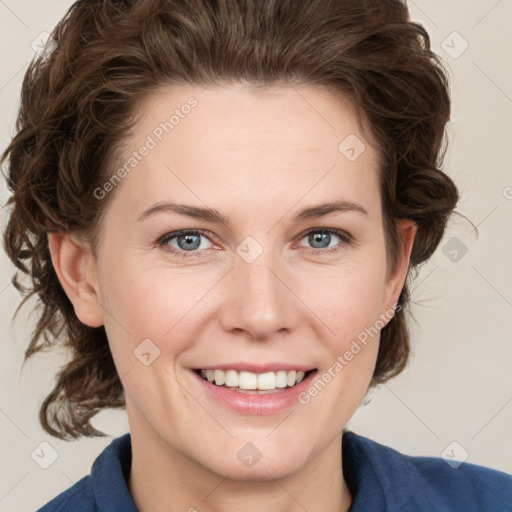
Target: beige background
pixel 458 385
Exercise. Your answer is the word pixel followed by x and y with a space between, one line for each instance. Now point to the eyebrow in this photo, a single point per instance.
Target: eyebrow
pixel 212 215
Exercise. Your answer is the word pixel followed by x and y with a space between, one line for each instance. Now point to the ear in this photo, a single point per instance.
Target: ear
pixel 75 267
pixel 396 276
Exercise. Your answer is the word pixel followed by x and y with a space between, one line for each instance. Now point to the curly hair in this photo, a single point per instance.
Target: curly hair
pixel 79 104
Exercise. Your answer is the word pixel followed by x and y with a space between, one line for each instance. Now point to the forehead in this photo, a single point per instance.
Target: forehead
pixel 253 146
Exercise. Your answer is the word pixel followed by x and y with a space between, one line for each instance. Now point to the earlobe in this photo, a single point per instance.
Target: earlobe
pixel 75 267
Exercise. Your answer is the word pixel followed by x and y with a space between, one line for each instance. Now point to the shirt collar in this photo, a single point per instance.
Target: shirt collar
pixel 109 477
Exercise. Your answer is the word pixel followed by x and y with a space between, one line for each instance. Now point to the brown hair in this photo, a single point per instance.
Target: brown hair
pixel 78 105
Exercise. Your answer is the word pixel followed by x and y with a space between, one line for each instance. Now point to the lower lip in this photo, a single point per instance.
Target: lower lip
pixel 257 404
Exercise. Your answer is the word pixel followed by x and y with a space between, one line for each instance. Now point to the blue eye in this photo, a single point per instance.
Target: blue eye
pixel 186 241
pixel 191 243
pixel 321 239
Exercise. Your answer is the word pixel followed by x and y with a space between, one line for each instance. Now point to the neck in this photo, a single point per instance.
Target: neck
pixel 165 479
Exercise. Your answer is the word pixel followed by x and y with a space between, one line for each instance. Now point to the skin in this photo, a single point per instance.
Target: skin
pixel 258 159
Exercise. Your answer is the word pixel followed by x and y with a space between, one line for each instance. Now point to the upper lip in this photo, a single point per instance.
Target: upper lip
pixel 257 367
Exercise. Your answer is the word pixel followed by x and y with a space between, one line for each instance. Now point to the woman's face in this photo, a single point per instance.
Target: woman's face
pixel 294 278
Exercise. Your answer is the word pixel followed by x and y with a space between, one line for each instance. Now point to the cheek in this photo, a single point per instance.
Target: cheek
pixel 348 300
pixel 149 303
pixel 349 310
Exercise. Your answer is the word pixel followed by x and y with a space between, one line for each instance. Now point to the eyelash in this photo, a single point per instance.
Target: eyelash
pixel 346 239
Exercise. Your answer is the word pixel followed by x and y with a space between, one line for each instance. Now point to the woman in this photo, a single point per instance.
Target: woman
pixel 220 202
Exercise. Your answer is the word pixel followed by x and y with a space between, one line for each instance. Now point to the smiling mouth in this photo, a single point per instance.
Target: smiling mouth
pixel 254 383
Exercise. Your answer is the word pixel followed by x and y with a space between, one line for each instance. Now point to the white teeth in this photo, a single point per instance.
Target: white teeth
pixel 220 377
pixel 231 379
pixel 253 381
pixel 267 381
pixel 247 380
pixel 281 379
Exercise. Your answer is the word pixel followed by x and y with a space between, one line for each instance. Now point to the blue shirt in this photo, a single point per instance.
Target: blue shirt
pixel 380 479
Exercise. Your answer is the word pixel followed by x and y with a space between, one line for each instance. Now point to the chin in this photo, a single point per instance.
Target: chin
pixel 246 460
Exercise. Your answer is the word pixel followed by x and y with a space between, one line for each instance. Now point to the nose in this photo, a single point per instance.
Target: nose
pixel 258 300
